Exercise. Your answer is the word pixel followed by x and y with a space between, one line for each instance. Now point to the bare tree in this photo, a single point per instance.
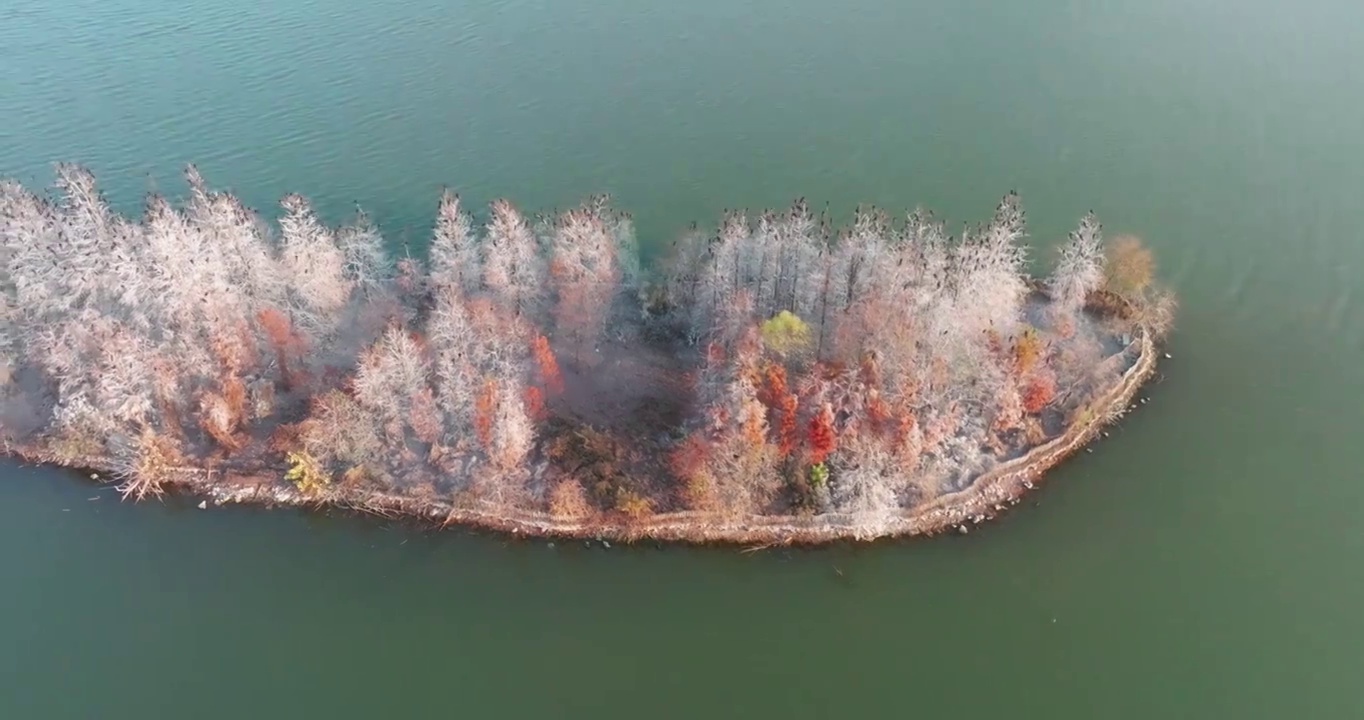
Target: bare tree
pixel 1079 270
pixel 134 333
pixel 390 374
pixel 585 276
pixel 513 268
pixel 367 265
pixel 454 248
pixel 315 264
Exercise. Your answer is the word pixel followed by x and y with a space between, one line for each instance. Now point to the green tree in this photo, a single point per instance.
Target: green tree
pixel 786 334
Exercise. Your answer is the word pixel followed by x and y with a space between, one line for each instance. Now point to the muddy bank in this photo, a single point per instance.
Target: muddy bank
pixel 988 495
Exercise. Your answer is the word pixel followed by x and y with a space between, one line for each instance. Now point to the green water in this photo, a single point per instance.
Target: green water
pixel 1204 562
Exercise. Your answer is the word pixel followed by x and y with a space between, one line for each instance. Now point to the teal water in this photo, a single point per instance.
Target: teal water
pixel 1202 562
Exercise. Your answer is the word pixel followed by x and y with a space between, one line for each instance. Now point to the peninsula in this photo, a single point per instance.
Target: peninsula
pixel 773 380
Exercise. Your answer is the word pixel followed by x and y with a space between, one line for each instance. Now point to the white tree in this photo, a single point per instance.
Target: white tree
pixel 720 280
pixel 235 249
pixel 682 270
pixel 86 229
pixel 454 247
pixel 1079 270
pixel 990 278
pixel 368 265
pixel 802 241
pixel 314 263
pixel 390 373
pixel 513 431
pixel 585 276
pixel 34 257
pixel 867 480
pixel 454 347
pixel 622 229
pixel 513 269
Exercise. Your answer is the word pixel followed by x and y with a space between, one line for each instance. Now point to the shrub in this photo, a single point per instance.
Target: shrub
pixel 568 501
pixel 632 504
pixel 306 473
pixel 819 475
pixel 157 457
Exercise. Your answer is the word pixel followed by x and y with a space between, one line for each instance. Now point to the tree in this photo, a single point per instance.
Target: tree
pixel 342 434
pixel 513 268
pixel 1130 267
pixel 547 366
pixel 454 249
pixel 390 374
pixel 786 334
pixel 136 332
pixel 822 436
pixel 34 258
pixel 585 277
pixel 234 246
pixel 1080 268
pixel 989 267
pixel 289 345
pixel 424 416
pixel 867 480
pixel 568 501
pixel 783 406
pixel 719 282
pixel 85 231
pixel 1039 391
pixel 367 266
pixel 315 264
pixel 513 433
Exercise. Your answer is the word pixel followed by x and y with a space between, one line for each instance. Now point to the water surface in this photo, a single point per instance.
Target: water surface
pixel 1202 562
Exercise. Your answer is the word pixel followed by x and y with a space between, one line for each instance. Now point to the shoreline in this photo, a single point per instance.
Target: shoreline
pixel 989 495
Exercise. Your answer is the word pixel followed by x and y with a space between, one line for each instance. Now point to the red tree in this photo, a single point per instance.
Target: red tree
pixel 535 403
pixel 547 365
pixel 822 436
pixel 485 408
pixel 1039 392
pixel 782 406
pixel 284 339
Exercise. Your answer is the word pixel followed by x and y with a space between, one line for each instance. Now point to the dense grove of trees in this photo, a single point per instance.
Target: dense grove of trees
pixel 858 370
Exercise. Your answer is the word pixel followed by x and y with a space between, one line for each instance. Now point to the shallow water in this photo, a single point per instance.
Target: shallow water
pixel 1201 562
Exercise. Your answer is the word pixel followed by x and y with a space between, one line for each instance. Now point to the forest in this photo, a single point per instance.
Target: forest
pixel 775 365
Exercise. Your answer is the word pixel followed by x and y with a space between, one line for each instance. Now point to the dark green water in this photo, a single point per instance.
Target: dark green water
pixel 1204 562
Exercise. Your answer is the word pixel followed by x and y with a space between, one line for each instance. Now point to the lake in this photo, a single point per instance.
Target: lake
pixel 1204 561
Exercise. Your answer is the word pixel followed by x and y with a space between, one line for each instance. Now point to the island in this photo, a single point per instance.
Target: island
pixel 776 379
